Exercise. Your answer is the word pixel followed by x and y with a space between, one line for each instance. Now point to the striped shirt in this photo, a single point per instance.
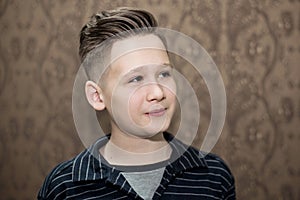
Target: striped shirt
pixel 188 175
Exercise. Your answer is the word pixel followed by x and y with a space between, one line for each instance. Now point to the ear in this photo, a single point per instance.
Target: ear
pixel 94 95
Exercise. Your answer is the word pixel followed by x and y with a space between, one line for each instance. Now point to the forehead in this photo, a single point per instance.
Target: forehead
pixel 134 43
pixel 137 51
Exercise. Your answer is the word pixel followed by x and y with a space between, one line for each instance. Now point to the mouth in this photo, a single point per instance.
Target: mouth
pixel 157 112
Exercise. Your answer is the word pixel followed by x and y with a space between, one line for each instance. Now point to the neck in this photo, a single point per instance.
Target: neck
pixel 135 144
pixel 125 149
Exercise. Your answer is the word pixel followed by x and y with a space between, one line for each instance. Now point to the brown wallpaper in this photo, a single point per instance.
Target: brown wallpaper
pixel 255 44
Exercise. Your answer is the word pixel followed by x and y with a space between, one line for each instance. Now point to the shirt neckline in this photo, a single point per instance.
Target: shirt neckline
pixel 91 165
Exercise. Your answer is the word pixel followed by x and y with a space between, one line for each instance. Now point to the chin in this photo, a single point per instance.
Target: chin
pixel 149 133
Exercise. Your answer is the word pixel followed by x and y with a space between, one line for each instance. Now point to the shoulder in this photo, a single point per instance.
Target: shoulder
pixel 61 169
pixel 212 161
pixel 214 165
pixel 60 174
pixel 215 170
pixel 216 162
pixel 218 166
pixel 57 178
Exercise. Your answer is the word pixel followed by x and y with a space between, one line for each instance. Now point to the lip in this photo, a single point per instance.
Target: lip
pixel 157 112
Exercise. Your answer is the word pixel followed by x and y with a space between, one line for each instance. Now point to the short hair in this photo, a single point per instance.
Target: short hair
pixel 113 23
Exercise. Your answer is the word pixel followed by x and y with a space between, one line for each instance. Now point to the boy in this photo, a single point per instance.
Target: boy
pixel 138 160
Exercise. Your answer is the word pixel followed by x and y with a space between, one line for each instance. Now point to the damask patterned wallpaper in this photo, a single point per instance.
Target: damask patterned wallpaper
pixel 255 44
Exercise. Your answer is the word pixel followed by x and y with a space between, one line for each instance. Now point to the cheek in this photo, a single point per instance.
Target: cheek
pixel 172 100
pixel 135 101
pixel 170 93
pixel 170 88
pixel 119 102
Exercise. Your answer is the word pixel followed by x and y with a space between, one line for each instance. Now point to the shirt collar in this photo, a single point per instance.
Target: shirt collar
pixel 90 165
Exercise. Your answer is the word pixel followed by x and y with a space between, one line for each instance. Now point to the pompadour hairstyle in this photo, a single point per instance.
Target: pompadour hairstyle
pixel 113 23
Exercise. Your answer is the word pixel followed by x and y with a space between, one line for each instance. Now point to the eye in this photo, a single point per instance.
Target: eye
pixel 164 74
pixel 136 79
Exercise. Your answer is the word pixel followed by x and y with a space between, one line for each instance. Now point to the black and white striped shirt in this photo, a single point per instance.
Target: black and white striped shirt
pixel 189 175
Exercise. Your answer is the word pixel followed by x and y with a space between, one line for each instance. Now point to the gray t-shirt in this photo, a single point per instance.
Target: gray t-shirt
pixel 145 183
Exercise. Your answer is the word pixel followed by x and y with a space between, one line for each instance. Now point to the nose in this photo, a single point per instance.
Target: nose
pixel 155 92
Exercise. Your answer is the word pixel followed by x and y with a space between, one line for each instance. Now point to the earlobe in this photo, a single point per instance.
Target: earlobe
pixel 94 95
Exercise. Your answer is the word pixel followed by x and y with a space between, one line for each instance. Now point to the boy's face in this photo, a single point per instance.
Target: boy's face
pixel 139 90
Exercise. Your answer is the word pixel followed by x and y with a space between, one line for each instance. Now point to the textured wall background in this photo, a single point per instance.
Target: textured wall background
pixel 255 44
